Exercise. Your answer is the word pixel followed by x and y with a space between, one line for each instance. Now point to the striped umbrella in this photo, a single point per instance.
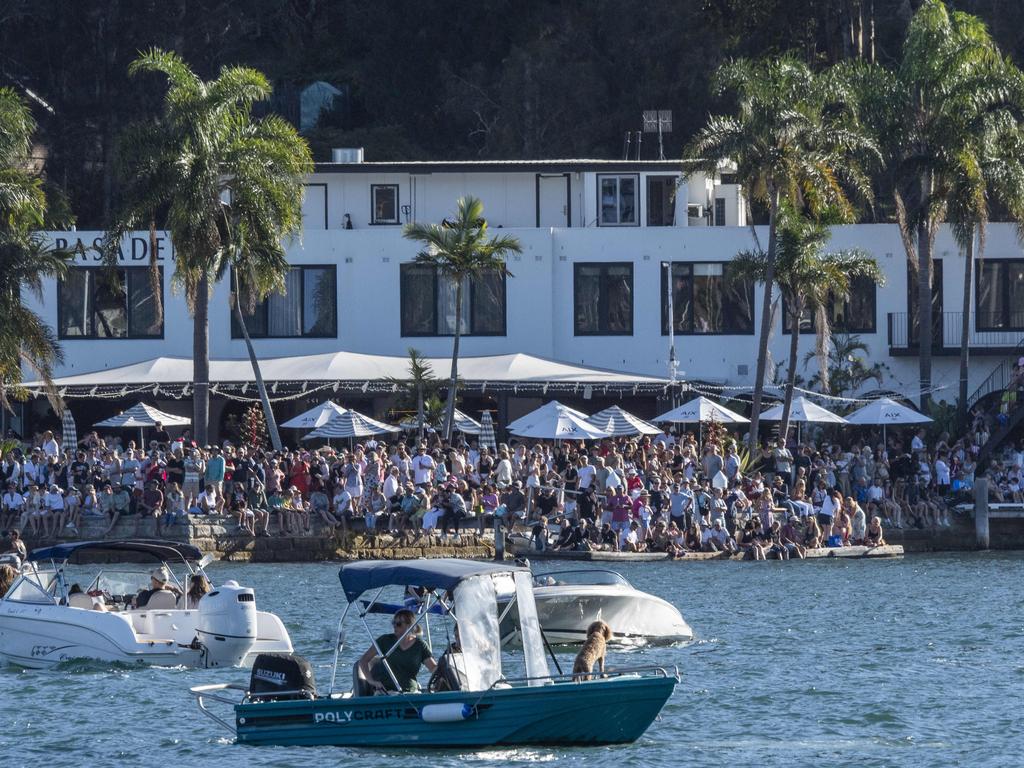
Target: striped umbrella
pixel 463 423
pixel 69 432
pixel 350 424
pixel 142 415
pixel 616 422
pixel 487 431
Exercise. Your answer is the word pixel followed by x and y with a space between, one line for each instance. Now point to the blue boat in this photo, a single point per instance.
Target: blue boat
pixel 479 705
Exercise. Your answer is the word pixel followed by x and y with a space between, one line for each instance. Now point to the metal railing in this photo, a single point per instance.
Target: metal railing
pixel 988 330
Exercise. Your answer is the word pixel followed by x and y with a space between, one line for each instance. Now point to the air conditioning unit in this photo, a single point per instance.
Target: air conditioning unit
pixel 742 369
pixel 347 155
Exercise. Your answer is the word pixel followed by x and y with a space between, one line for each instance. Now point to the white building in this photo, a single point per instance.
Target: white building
pixel 589 287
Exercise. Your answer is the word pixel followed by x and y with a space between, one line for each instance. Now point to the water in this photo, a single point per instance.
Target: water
pixel 908 662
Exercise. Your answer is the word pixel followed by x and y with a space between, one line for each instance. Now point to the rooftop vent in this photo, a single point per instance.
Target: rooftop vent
pixel 347 155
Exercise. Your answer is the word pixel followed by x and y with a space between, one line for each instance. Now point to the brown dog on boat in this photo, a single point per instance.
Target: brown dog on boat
pixel 592 652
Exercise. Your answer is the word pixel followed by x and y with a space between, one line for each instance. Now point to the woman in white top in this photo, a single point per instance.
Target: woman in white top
pixel 503 472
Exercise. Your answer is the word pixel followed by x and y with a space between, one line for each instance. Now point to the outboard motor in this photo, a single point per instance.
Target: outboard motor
pixel 281 677
pixel 227 624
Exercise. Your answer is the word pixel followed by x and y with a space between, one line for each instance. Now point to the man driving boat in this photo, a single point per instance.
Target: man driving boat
pixel 159 579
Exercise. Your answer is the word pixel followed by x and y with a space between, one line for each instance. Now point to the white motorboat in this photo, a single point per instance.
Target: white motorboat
pixel 569 601
pixel 45 619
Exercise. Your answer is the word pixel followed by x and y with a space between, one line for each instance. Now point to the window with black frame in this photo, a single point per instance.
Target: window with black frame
pixel 603 299
pixel 428 303
pixel 617 200
pixel 854 315
pixel 385 203
pixel 101 303
pixel 308 307
pixel 707 301
pixel 999 295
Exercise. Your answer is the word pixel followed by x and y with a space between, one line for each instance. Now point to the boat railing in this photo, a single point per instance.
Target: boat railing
pixel 641 671
pixel 213 692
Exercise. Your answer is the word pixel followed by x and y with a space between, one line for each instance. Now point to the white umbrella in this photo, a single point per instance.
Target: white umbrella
pixel 555 421
pixel 314 417
pixel 351 424
pixel 700 410
pixel 615 421
pixel 885 411
pixel 142 416
pixel 487 431
pixel 533 415
pixel 463 423
pixel 802 410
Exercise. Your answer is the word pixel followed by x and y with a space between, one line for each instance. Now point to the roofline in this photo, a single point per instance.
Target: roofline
pixel 493 166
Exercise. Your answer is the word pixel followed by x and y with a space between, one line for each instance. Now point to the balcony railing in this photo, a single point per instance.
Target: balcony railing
pixel 995 333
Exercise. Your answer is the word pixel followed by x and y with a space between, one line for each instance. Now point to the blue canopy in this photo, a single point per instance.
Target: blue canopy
pixel 442 573
pixel 155 548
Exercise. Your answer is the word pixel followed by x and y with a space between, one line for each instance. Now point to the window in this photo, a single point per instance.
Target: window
pixel 719 211
pixel 661 201
pixel 603 299
pixel 308 308
pixel 616 200
pixel 855 315
pixel 428 303
pixel 705 300
pixel 999 297
pixel 100 303
pixel 385 204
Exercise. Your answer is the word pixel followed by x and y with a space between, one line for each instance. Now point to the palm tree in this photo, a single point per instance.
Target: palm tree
pixel 928 117
pixel 991 168
pixel 846 368
pixel 461 251
pixel 26 341
pixel 807 279
pixel 792 138
pixel 419 386
pixel 227 187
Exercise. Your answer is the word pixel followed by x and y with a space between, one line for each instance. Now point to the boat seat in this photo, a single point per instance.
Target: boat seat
pixel 163 599
pixel 80 600
pixel 360 685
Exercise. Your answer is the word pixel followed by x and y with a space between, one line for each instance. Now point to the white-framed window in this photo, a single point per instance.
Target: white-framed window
pixel 384 199
pixel 618 197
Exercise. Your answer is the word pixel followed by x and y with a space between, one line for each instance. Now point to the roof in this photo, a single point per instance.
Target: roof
pixel 566 165
pixel 441 573
pixel 158 550
pixel 515 368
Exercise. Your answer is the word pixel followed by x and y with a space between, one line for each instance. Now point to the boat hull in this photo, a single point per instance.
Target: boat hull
pixel 42 636
pixel 607 711
pixel 635 617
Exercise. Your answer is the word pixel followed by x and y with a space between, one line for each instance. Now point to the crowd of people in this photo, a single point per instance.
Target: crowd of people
pixel 666 492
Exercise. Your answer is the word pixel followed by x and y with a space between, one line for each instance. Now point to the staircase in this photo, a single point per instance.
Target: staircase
pixel 997 382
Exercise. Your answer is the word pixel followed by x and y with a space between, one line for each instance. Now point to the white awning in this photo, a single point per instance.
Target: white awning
pixel 351 370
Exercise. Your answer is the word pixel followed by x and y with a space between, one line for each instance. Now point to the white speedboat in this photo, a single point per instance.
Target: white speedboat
pixel 569 601
pixel 45 619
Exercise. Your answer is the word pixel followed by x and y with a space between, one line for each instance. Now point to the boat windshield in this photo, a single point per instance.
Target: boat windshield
pixel 34 587
pixel 578 578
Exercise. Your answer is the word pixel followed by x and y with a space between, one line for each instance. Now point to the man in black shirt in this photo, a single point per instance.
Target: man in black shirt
pixel 160 435
pixel 80 470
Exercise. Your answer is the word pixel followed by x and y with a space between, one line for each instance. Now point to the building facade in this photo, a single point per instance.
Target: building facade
pixel 591 286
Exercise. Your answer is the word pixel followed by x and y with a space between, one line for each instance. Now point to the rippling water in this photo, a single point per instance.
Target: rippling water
pixel 905 662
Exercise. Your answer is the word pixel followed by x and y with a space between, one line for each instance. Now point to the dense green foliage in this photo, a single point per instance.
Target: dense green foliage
pixel 432 79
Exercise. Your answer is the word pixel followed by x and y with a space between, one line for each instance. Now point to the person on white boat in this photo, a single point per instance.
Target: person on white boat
pixel 159 579
pixel 199 587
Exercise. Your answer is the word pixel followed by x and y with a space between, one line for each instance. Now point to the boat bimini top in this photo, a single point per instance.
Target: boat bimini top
pixel 155 548
pixel 463 590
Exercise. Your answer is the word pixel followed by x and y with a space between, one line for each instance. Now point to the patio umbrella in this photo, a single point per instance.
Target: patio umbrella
pixel 532 415
pixel 463 423
pixel 141 415
pixel 803 410
pixel 555 421
pixel 314 417
pixel 69 432
pixel 615 421
pixel 487 431
pixel 350 424
pixel 885 411
pixel 700 410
